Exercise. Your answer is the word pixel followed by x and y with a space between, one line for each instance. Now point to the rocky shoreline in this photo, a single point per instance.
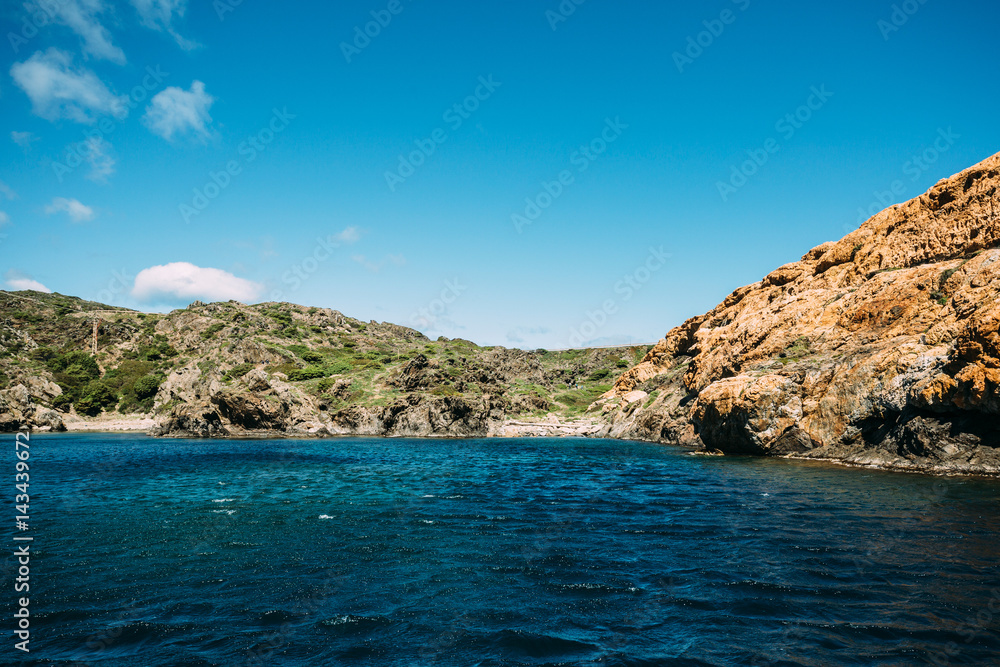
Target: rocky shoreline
pixel 879 350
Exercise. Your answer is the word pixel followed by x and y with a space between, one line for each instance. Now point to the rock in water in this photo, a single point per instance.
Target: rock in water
pixel 880 349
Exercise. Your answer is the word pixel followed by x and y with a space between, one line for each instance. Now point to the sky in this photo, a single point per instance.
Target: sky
pixel 544 173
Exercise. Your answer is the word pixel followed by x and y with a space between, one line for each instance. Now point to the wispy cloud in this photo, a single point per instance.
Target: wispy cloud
pixel 348 236
pixel 99 154
pixel 58 90
pixel 179 281
pixel 16 280
pixel 175 111
pixel 517 334
pixel 72 207
pixel 375 267
pixel 23 139
pixel 6 192
pixel 4 218
pixel 80 16
pixel 160 14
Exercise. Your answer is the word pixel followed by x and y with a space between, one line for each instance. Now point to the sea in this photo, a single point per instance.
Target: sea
pixel 490 552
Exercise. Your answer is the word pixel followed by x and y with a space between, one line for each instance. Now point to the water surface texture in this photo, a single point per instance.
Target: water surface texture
pixel 498 552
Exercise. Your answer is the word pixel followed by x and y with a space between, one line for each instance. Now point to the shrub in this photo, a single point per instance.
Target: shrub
pixel 599 374
pixel 580 399
pixel 310 373
pixel 136 382
pixel 157 351
pixel 45 354
pixel 72 370
pixel 281 316
pixel 338 368
pixel 96 397
pixel 237 371
pixel 78 361
pixel 147 386
pixel 285 368
pixel 212 330
pixel 24 315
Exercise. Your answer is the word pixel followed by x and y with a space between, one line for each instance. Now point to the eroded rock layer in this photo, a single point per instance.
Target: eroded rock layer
pixel 878 349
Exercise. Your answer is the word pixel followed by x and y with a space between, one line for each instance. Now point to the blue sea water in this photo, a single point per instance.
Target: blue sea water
pixel 496 552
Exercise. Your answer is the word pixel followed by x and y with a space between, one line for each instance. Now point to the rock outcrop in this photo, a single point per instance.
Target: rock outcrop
pixel 880 349
pixel 23 407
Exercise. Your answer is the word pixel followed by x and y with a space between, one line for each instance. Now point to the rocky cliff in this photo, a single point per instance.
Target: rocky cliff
pixel 879 349
pixel 229 369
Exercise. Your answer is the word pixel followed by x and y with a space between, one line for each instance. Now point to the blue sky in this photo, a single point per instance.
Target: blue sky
pixel 531 174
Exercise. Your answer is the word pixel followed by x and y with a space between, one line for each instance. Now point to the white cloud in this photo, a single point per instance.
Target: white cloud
pixel 97 152
pixel 159 15
pixel 71 207
pixel 23 139
pixel 177 111
pixel 4 218
pixel 80 16
pixel 185 281
pixel 58 90
pixel 21 281
pixel 349 235
pixel 6 191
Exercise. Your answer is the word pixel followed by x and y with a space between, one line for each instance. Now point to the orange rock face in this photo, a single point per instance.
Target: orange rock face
pixel 882 348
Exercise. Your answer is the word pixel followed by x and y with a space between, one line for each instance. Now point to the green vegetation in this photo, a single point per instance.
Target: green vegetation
pixel 304 353
pixel 212 330
pixel 136 382
pixel 237 372
pixel 158 350
pixel 579 400
pixel 94 398
pixel 652 397
pixel 308 373
pixel 940 295
pixel 347 362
